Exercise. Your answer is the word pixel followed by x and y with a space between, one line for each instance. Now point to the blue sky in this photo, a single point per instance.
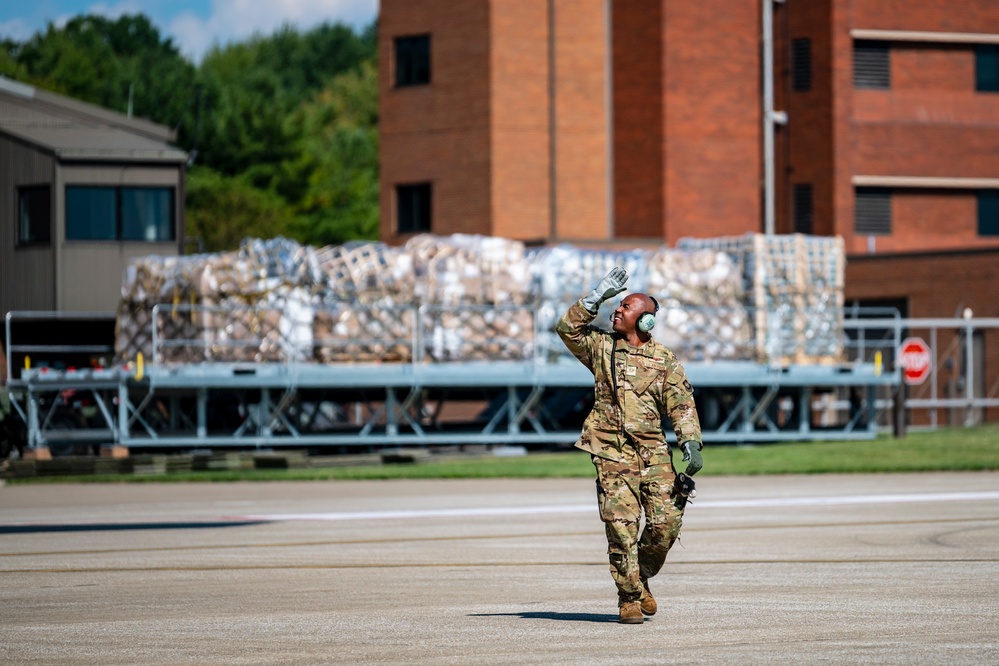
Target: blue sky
pixel 194 25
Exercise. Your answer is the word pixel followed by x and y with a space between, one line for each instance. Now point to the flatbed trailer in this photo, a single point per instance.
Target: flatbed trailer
pixel 539 400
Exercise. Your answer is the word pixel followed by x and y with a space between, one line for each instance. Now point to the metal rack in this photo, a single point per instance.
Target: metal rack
pixel 539 399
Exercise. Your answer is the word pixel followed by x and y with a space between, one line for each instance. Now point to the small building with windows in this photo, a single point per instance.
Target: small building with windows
pixel 83 190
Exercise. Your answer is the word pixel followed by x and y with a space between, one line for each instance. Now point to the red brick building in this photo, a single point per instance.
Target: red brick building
pixel 570 120
pixel 633 121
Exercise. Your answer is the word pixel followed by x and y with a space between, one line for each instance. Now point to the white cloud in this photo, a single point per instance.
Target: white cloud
pixel 15 29
pixel 116 10
pixel 232 20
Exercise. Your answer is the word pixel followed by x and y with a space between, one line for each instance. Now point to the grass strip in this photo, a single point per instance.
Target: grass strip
pixel 952 449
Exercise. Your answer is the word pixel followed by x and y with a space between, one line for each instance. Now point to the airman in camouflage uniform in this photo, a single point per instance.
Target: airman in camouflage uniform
pixel 638 383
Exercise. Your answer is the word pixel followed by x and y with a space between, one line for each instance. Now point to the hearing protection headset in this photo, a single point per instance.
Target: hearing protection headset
pixel 647 321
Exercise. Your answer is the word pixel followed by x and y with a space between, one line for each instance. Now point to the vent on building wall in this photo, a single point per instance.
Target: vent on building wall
pixel 871 65
pixel 801 65
pixel 872 210
pixel 803 208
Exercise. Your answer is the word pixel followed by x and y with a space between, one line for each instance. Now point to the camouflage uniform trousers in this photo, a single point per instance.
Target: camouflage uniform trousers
pixel 624 490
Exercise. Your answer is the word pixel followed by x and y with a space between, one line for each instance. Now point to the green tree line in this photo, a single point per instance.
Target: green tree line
pixel 281 129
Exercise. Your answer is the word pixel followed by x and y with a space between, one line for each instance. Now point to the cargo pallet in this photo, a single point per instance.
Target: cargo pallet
pixel 538 400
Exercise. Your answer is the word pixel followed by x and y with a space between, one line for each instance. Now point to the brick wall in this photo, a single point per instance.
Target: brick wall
pixel 440 132
pixel 713 131
pixel 519 139
pixel 638 119
pixel 931 123
pixel 804 147
pixel 582 168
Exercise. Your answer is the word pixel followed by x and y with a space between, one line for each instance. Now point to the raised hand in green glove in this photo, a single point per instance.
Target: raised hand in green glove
pixel 692 455
pixel 612 284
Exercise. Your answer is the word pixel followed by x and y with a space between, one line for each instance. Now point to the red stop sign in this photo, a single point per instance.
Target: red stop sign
pixel 915 359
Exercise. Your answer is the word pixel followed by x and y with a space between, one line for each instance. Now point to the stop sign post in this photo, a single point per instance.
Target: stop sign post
pixel 915 358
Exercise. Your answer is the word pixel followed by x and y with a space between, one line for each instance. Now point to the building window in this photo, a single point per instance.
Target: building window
pixel 91 213
pixel 801 65
pixel 988 213
pixel 987 67
pixel 871 65
pixel 802 208
pixel 413 208
pixel 34 211
pixel 147 213
pixel 120 213
pixel 872 210
pixel 412 60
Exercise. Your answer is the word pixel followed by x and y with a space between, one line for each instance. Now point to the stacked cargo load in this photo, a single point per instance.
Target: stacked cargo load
pixel 794 288
pixel 250 305
pixel 701 312
pixel 477 297
pixel 365 306
pixel 565 273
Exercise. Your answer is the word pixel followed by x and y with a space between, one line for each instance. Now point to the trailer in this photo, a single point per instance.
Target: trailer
pixel 538 399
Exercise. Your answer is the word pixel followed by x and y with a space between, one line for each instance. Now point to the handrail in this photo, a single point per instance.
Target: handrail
pixel 539 343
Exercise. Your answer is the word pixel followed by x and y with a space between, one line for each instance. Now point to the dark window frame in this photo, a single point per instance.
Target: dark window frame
pixel 28 239
pixel 987 67
pixel 412 60
pixel 988 213
pixel 119 212
pixel 801 64
pixel 871 65
pixel 872 211
pixel 803 208
pixel 414 208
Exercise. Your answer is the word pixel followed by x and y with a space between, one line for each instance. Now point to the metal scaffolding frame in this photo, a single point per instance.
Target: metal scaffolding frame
pixel 538 399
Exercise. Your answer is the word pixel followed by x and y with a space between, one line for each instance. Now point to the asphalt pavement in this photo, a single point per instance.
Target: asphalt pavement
pixel 885 569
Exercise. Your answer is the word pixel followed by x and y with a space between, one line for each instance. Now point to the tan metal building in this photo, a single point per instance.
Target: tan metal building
pixel 82 191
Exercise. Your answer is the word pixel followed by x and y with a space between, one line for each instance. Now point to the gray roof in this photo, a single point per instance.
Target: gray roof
pixel 74 130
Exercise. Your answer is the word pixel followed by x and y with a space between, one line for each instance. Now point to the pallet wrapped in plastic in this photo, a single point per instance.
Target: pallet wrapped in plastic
pixel 477 333
pixel 254 304
pixel 149 281
pixel 365 310
pixel 365 272
pixel 476 293
pixel 357 333
pixel 794 286
pixel 701 311
pixel 566 273
pixel 470 269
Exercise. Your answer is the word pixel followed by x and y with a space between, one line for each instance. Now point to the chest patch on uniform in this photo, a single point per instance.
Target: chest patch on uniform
pixel 630 371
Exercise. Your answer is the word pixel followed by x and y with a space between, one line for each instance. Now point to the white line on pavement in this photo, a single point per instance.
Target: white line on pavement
pixel 749 503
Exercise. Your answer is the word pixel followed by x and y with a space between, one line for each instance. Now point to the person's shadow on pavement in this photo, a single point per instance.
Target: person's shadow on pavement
pixel 542 615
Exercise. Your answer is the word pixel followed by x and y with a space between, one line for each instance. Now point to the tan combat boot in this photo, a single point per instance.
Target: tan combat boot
pixel 649 606
pixel 631 613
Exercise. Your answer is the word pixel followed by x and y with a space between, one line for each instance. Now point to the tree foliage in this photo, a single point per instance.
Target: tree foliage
pixel 281 129
pixel 108 62
pixel 223 210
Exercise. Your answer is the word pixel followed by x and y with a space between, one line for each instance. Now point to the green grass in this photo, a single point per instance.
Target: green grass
pixel 942 450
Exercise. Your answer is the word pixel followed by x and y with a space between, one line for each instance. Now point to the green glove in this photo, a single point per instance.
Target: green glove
pixel 612 284
pixel 692 454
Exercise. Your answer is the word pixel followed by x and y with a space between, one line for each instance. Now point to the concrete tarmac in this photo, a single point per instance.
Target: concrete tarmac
pixel 880 569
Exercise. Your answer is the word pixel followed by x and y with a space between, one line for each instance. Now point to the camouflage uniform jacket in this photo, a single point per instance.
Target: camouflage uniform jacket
pixel 650 386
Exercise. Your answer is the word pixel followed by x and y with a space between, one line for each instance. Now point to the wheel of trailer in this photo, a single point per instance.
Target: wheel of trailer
pixel 65 447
